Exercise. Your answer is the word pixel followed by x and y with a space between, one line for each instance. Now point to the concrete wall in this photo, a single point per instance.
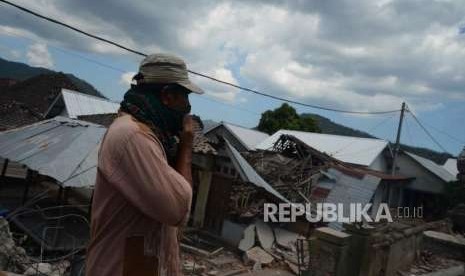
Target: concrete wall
pixel 425 181
pixel 379 164
pixel 368 250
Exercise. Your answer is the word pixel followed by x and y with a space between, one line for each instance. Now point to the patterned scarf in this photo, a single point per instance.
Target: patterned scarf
pixel 142 103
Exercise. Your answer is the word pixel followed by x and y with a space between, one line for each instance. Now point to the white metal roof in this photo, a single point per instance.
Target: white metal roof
pixel 451 166
pixel 438 170
pixel 354 150
pixel 248 137
pixel 78 104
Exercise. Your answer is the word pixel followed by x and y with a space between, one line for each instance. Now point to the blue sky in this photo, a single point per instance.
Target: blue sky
pixel 366 59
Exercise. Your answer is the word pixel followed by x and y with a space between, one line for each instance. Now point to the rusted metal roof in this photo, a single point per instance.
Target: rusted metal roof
pixel 61 148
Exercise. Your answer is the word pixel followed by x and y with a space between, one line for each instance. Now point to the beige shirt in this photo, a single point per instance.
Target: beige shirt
pixel 137 194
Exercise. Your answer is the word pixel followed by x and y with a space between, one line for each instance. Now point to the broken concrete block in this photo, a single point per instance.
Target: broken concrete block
pixel 248 240
pixel 293 267
pixel 257 254
pixel 222 261
pixel 39 268
pixel 12 257
pixel 213 272
pixel 6 273
pixel 285 238
pixel 257 266
pixel 265 234
pixel 193 267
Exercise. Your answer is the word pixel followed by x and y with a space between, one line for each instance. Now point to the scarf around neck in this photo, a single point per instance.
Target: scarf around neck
pixel 142 103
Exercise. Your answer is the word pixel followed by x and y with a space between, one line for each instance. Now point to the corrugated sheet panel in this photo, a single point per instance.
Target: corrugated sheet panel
pixel 360 151
pixel 436 169
pixel 78 104
pixel 347 190
pixel 61 148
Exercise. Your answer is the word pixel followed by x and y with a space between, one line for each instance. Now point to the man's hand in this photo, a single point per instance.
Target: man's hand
pixel 187 134
pixel 184 158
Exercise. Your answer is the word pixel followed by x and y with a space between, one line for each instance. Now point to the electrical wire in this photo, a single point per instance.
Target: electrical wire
pixel 426 130
pixel 459 141
pixel 348 145
pixel 126 48
pixel 203 98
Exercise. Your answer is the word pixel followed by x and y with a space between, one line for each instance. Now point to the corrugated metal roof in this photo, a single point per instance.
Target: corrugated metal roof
pixel 248 173
pixel 354 150
pixel 248 137
pixel 61 148
pixel 451 166
pixel 436 169
pixel 78 104
pixel 347 190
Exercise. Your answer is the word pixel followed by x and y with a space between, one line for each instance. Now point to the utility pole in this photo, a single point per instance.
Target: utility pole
pixel 397 146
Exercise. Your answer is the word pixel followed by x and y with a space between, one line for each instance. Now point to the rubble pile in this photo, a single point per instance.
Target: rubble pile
pixel 292 168
pixel 15 262
pixel 262 247
pixel 428 262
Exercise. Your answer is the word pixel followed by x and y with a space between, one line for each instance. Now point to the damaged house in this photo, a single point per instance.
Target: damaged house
pixel 428 185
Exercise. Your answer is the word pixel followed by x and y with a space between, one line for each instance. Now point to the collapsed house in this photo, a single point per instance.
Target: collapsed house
pixel 232 180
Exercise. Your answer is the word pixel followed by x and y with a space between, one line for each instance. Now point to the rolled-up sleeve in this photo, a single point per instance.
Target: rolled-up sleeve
pixel 146 180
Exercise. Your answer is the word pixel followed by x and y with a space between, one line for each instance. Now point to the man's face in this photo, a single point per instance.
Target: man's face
pixel 176 97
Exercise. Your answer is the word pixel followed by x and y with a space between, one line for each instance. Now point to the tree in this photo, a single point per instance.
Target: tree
pixel 286 117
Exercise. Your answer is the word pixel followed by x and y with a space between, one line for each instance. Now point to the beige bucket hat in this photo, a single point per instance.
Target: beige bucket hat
pixel 166 68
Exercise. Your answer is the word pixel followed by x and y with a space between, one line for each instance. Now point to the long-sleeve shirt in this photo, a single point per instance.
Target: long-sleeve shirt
pixel 137 194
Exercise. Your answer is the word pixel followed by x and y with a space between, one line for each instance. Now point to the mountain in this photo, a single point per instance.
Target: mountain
pixel 21 71
pixel 329 127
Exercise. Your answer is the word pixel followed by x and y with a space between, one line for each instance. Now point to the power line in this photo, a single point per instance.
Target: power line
pixel 229 105
pixel 461 142
pixel 111 67
pixel 55 21
pixel 348 145
pixel 426 131
pixel 108 66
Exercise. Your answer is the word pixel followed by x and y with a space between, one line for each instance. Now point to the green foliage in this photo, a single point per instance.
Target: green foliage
pixel 285 117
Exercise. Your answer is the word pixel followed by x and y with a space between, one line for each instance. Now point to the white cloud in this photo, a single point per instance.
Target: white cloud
pixel 126 78
pixel 361 55
pixel 38 55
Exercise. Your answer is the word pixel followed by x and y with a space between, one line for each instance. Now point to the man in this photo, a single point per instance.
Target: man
pixel 143 189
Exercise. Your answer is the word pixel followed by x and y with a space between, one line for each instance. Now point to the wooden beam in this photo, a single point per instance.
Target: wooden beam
pixel 205 178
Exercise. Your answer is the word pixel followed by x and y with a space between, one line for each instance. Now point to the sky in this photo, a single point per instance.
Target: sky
pixel 359 55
